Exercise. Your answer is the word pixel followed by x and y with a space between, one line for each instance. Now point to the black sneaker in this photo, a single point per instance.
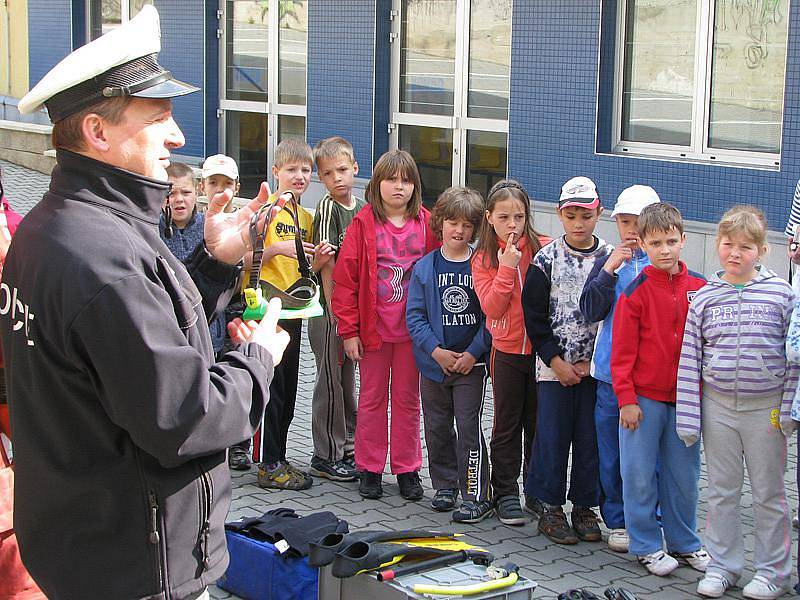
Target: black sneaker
pixel 473 512
pixel 410 485
pixel 349 461
pixel 509 511
pixel 584 522
pixel 553 525
pixel 335 471
pixel 444 499
pixel 238 460
pixel 370 486
pixel 533 506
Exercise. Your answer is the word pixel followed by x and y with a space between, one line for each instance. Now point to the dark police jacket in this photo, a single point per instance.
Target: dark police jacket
pixel 119 414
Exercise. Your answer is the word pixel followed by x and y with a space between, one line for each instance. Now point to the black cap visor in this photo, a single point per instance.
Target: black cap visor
pixel 170 88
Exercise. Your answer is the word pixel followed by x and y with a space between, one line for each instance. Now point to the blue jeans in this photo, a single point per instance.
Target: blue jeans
pixel 606 420
pixel 654 446
pixel 565 417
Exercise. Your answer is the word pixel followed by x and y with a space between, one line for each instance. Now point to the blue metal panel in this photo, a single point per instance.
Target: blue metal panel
pixel 211 91
pixel 183 31
pixel 49 35
pixel 554 110
pixel 340 74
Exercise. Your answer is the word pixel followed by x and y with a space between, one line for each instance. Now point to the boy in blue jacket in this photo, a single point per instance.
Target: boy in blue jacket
pixel 600 293
pixel 449 341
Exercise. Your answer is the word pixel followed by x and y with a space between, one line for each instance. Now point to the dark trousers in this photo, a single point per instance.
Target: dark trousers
pixel 460 461
pixel 514 418
pixel 270 439
pixel 565 417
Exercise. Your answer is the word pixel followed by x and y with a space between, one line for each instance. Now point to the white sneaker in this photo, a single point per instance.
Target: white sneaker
pixel 698 559
pixel 761 588
pixel 658 563
pixel 713 585
pixel 618 540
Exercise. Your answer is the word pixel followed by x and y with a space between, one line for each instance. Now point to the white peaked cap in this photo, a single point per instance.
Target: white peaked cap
pixel 120 63
pixel 634 199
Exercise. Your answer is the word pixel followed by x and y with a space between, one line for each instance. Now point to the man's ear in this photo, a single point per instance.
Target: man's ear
pixel 355 168
pixel 93 128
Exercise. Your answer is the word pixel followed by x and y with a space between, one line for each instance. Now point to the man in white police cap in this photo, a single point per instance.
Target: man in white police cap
pixel 120 415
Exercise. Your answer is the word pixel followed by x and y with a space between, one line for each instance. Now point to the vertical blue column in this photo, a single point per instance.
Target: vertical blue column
pixel 49 35
pixel 341 75
pixel 183 53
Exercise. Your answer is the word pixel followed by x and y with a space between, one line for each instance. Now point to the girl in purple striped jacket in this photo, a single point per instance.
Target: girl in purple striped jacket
pixel 734 383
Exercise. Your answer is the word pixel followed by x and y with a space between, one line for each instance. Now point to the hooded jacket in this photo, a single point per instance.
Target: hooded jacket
pixel 355 278
pixel 424 319
pixel 598 300
pixel 733 350
pixel 120 416
pixel 648 331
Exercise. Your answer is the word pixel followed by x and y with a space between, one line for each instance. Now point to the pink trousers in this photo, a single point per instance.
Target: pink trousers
pixel 392 364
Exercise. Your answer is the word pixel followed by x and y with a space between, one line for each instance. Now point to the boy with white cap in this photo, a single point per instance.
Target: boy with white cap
pixel 604 285
pixel 563 339
pixel 108 356
pixel 219 173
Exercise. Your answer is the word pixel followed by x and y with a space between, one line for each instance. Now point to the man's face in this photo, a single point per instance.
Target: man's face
pixel 142 141
pixel 294 176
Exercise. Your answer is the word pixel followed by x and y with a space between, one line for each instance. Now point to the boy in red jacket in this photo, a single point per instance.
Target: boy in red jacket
pixel 647 334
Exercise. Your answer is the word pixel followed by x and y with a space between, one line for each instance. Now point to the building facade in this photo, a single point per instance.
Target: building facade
pixel 697 98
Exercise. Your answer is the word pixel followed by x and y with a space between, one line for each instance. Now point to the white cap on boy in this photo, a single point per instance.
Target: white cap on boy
pixel 633 199
pixel 580 192
pixel 219 164
pixel 120 63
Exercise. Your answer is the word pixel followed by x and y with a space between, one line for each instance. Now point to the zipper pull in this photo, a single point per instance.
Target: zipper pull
pixel 154 537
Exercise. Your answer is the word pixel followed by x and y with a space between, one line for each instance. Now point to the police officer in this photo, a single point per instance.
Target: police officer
pixel 120 415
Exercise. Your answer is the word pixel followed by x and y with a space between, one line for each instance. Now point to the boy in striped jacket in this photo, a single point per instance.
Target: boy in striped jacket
pixel 734 383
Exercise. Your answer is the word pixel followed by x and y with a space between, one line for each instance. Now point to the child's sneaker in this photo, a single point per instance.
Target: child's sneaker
pixel 584 522
pixel 371 486
pixel 713 585
pixel 283 476
pixel 762 588
pixel 553 525
pixel 335 471
pixel 618 540
pixel 698 559
pixel 473 512
pixel 509 511
pixel 658 563
pixel 410 485
pixel 444 499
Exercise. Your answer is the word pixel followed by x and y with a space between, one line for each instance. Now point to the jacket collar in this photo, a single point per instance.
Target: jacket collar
pixel 661 276
pixel 89 180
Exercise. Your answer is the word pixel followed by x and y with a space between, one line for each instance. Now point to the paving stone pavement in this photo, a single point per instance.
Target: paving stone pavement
pixel 556 568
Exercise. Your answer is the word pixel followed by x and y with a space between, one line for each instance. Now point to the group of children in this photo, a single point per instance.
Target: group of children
pixel 618 356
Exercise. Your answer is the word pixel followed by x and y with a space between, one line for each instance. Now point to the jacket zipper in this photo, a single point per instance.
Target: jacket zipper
pixel 738 348
pixel 524 334
pixel 154 538
pixel 207 497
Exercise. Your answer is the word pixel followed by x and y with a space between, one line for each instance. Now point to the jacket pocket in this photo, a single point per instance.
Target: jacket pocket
pixel 183 294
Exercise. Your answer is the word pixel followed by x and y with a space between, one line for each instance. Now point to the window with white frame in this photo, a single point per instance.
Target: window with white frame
pixel 701 80
pixel 263 87
pixel 450 91
pixel 105 15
